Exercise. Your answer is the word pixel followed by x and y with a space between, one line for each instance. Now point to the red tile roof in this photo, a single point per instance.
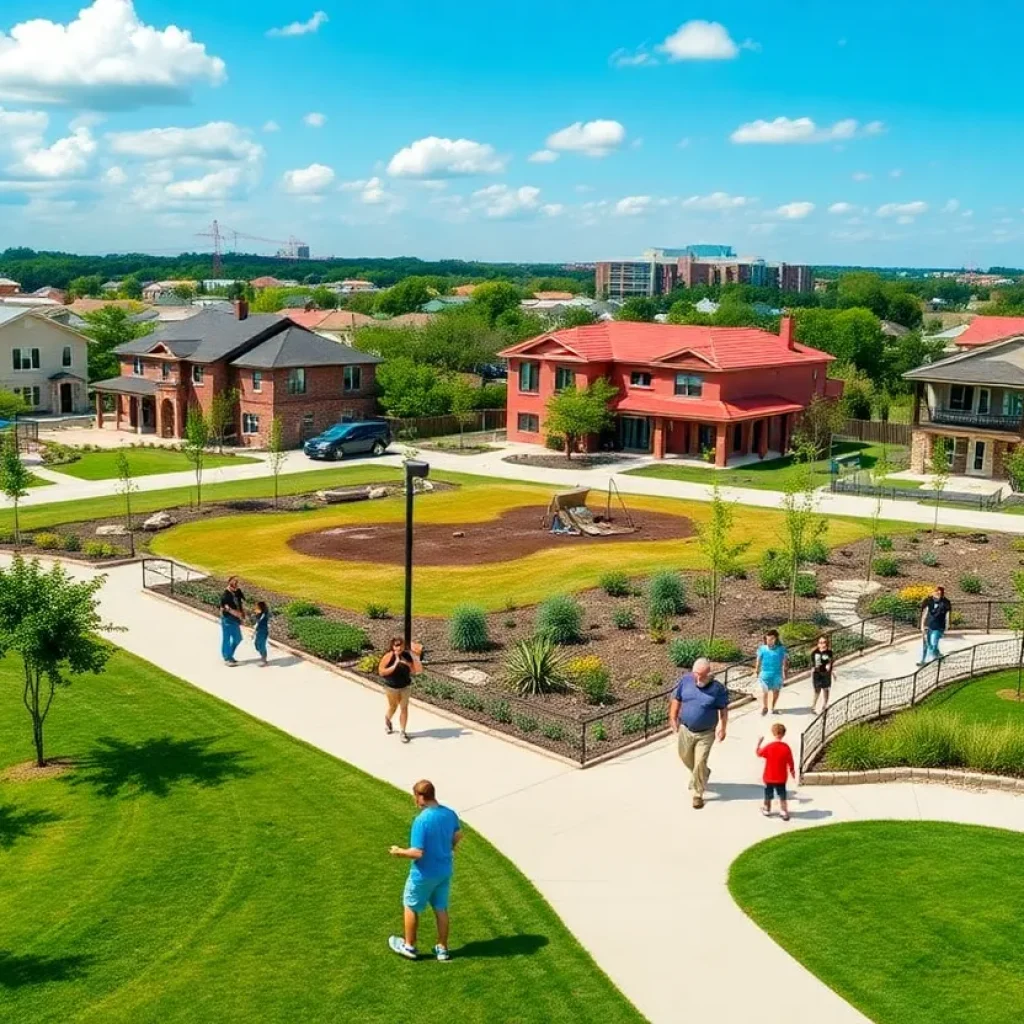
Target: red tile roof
pixel 706 408
pixel 985 329
pixel 722 348
pixel 308 318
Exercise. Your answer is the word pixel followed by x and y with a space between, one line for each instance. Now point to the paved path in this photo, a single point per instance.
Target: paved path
pixel 633 870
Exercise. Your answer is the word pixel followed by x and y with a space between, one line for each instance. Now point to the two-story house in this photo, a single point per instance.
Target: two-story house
pixel 975 400
pixel 682 390
pixel 277 368
pixel 44 361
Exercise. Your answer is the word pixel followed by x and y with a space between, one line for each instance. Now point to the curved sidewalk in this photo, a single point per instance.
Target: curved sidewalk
pixel 632 869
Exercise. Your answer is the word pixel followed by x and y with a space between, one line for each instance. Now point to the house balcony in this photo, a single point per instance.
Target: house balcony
pixel 974 420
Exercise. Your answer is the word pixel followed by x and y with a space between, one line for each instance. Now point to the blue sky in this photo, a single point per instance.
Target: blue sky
pixel 886 134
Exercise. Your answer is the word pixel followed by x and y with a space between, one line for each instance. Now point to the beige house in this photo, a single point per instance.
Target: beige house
pixel 44 361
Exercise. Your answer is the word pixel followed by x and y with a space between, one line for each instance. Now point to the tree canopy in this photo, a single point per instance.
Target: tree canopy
pixel 109 327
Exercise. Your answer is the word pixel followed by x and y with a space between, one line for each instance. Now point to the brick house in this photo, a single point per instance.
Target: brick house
pixel 682 390
pixel 278 368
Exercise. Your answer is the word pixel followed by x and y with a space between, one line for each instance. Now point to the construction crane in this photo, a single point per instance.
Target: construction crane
pixel 291 249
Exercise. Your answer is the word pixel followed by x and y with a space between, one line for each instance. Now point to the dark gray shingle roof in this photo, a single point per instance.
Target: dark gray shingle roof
pixel 126 385
pixel 298 347
pixel 999 363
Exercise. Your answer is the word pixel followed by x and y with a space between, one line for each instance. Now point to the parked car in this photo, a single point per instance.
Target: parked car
pixel 368 437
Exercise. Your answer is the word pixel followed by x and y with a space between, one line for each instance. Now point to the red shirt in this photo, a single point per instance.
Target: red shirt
pixel 778 760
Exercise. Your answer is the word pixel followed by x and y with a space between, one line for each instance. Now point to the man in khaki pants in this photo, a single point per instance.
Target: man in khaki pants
pixel 698 714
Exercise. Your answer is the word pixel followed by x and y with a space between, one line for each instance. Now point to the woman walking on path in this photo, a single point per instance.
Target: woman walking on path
pixel 262 631
pixel 397 668
pixel 770 668
pixel 822 662
pixel 232 615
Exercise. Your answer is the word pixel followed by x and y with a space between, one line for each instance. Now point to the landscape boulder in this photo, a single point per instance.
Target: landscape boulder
pixel 377 492
pixel 112 530
pixel 159 521
pixel 340 497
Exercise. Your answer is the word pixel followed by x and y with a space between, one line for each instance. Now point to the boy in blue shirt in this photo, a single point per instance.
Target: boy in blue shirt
pixel 770 668
pixel 435 834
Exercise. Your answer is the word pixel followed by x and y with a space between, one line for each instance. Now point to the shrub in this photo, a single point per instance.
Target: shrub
pixel 500 711
pixel 648 680
pixel 510 623
pixel 590 675
pixel 915 593
pixel 773 571
pixel 883 543
pixel 535 667
pixel 332 641
pixel 598 733
pixel 684 653
pixel 887 566
pixel 469 701
pixel 6 537
pixel 616 584
pixel 820 618
pixel 101 549
pixel 806 584
pixel 702 587
pixel 55 454
pixel 624 618
pixel 439 689
pixel 633 722
pixel 525 723
pixel 552 731
pixel 368 663
pixel 555 443
pixel 893 604
pixel 72 542
pixel 1017 544
pixel 666 595
pixel 560 619
pixel 817 552
pixel 467 629
pixel 970 583
pixel 301 610
pixel 47 541
pixel 791 633
pixel 930 559
pixel 376 611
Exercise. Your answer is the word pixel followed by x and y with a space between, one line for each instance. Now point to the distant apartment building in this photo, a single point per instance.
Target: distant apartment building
pixel 659 271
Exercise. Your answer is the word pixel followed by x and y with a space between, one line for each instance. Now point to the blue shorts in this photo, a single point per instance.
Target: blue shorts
pixel 771 682
pixel 421 892
pixel 774 789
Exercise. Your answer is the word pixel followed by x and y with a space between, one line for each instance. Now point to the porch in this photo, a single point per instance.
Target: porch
pixel 139 405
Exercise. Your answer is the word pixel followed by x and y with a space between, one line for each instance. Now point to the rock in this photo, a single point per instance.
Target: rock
pixel 340 497
pixel 977 538
pixel 377 492
pixel 159 521
pixel 112 530
pixel 940 542
pixel 468 675
pixel 459 533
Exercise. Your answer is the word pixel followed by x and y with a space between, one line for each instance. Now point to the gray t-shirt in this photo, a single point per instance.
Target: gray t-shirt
pixel 700 704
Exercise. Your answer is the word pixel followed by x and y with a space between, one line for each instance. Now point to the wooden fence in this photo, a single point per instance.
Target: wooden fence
pixel 438 426
pixel 876 431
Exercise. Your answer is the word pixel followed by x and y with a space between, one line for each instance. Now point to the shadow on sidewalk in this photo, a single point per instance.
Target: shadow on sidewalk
pixel 502 946
pixel 449 733
pixel 728 791
pixel 816 815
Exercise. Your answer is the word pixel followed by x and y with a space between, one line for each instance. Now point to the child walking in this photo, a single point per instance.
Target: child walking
pixel 822 665
pixel 262 633
pixel 771 669
pixel 778 765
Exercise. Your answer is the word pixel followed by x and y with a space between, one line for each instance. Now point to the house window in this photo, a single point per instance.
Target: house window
pixel 165 370
pixel 564 378
pixel 638 379
pixel 137 366
pixel 353 378
pixel 26 358
pixel 297 381
pixel 961 398
pixel 30 396
pixel 689 386
pixel 529 423
pixel 257 380
pixel 308 426
pixel 65 356
pixel 529 376
pixel 1013 403
pixel 197 375
pixel 250 423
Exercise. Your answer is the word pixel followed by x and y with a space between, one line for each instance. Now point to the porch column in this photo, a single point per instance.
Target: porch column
pixel 693 440
pixel 721 444
pixel 762 448
pixel 784 433
pixel 99 411
pixel 658 441
pixel 138 414
pixel 157 411
pixel 117 411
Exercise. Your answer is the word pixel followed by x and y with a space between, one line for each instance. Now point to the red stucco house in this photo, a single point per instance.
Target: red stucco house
pixel 682 390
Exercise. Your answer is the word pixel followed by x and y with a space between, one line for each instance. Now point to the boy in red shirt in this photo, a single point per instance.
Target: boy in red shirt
pixel 778 762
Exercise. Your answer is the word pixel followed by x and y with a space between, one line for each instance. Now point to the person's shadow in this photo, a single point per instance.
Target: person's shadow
pixel 32 969
pixel 502 946
pixel 735 791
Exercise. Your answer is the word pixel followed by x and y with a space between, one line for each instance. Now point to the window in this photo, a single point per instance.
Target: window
pixel 137 366
pixel 30 396
pixel 308 426
pixel 257 380
pixel 165 370
pixel 197 375
pixel 529 423
pixel 1013 403
pixel 353 378
pixel 961 397
pixel 65 356
pixel 529 376
pixel 689 386
pixel 26 358
pixel 297 381
pixel 984 401
pixel 564 378
pixel 638 379
pixel 250 423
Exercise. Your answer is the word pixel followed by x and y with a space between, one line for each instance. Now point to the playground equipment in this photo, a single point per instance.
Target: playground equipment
pixel 568 514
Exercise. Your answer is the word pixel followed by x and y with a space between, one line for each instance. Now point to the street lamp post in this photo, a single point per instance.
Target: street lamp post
pixel 414 469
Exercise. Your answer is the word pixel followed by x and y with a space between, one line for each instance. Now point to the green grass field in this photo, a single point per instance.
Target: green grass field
pixel 143 462
pixel 911 922
pixel 977 700
pixel 200 866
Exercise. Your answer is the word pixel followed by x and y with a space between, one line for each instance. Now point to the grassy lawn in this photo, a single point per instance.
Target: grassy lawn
pixel 770 475
pixel 977 700
pixel 38 481
pixel 256 547
pixel 143 461
pixel 199 866
pixel 911 922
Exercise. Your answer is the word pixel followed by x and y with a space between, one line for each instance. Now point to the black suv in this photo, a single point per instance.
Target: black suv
pixel 370 437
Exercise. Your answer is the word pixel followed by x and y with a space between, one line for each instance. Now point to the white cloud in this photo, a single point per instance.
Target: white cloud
pixel 217 185
pixel 434 157
pixel 374 194
pixel 114 176
pixel 785 130
pixel 860 176
pixel 313 180
pixel 66 158
pixel 314 120
pixel 640 57
pixel 794 211
pixel 105 59
pixel 218 140
pixel 636 143
pixel 632 206
pixel 700 40
pixel 543 156
pixel 874 128
pixel 501 202
pixel 271 126
pixel 840 208
pixel 300 28
pixel 552 209
pixel 591 138
pixel 952 205
pixel 24 153
pixel 914 209
pixel 716 201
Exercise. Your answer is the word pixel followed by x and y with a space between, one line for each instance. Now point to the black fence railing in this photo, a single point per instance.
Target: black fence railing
pixel 25 431
pixel 986 502
pixel 887 696
pixel 968 418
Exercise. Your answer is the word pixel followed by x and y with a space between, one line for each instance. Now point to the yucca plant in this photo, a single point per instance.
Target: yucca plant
pixel 534 667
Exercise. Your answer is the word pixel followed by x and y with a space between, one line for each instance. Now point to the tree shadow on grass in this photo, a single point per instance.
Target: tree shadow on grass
pixel 15 823
pixel 155 765
pixel 20 971
pixel 502 946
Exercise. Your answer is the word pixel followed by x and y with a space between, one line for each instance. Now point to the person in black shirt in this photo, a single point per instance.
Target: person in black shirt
pixel 232 615
pixel 935 613
pixel 397 668
pixel 822 661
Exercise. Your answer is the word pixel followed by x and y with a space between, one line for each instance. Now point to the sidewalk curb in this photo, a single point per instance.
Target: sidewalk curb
pixel 943 776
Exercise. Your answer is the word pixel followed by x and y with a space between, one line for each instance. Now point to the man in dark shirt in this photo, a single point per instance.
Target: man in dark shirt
pixel 232 615
pixel 935 613
pixel 698 714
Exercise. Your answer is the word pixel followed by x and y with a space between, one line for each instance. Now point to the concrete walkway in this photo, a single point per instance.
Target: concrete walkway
pixel 634 872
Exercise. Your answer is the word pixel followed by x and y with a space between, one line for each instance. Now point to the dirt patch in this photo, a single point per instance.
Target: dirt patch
pixel 28 771
pixel 561 462
pixel 515 533
pixel 1010 695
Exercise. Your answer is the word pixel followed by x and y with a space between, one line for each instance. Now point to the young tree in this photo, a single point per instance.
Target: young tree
pixel 222 414
pixel 14 477
pixel 802 525
pixel 51 623
pixel 11 405
pixel 939 465
pixel 720 551
pixel 126 485
pixel 276 451
pixel 197 437
pixel 638 308
pixel 575 413
pixel 878 472
pixel 1013 463
pixel 109 327
pixel 463 396
pixel 819 421
pixel 1015 615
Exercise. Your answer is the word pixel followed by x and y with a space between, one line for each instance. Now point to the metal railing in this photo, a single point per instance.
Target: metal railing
pixel 163 572
pixel 887 696
pixel 967 418
pixel 851 485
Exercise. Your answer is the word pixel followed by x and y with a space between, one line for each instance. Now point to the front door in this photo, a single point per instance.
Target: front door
pixel 635 433
pixel 978 454
pixel 67 397
pixel 960 453
pixel 707 438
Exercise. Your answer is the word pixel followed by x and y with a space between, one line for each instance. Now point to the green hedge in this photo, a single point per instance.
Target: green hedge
pixel 332 641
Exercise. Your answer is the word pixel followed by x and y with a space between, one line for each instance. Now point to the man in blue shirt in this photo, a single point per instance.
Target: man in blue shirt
pixel 435 834
pixel 698 713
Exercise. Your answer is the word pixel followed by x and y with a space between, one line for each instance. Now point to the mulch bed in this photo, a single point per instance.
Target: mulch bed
pixel 29 771
pixel 584 461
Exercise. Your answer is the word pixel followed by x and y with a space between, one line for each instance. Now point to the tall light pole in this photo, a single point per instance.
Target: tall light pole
pixel 414 469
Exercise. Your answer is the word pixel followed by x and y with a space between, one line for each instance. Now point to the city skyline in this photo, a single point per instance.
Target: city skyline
pixel 429 133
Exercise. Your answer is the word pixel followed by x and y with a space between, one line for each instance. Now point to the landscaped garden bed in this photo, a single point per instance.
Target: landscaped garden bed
pixel 595 460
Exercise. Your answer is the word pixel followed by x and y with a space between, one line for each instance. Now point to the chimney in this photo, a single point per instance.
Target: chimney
pixel 241 309
pixel 786 332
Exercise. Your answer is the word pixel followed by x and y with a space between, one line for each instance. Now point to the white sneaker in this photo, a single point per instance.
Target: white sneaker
pixel 397 945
